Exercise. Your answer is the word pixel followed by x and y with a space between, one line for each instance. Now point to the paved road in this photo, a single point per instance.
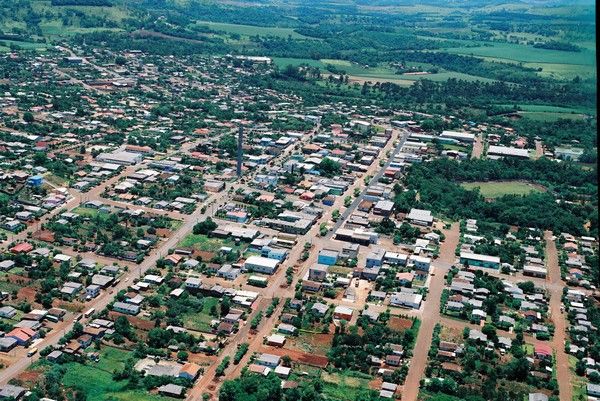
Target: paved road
pixel 430 315
pixel 372 182
pixel 563 374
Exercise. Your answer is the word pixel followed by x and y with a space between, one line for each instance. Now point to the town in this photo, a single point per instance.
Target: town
pixel 170 228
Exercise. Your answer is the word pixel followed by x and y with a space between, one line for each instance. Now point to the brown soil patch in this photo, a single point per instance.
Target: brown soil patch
pixel 202 359
pixel 298 356
pixel 312 343
pixel 30 377
pixel 399 323
pixel 375 384
pixel 27 293
pixel 134 321
pixel 16 279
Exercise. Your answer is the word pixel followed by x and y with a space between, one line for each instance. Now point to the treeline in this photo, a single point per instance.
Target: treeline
pixel 555 45
pixel 99 3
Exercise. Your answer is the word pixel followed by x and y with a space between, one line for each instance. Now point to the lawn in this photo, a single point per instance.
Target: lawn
pixel 95 379
pixel 86 211
pixel 200 320
pixel 497 189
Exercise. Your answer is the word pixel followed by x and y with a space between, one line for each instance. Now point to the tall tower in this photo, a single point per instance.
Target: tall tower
pixel 239 151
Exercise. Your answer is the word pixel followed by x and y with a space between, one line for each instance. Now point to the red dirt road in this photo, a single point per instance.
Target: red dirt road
pixel 563 374
pixel 430 316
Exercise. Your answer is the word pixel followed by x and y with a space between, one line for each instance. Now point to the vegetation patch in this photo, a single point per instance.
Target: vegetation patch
pixel 501 188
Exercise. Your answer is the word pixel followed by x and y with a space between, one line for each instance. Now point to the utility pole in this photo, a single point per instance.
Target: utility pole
pixel 239 151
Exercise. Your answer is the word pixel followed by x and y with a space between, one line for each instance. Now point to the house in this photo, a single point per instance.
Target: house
pixel 7 312
pixel 317 272
pixel 343 312
pixel 286 328
pixel 383 208
pixel 228 272
pixel 92 290
pixel 276 340
pixel 319 308
pixel 542 351
pixel 311 286
pixel 171 390
pixel 54 356
pixel 593 390
pixel 473 259
pixel 407 300
pixel 268 360
pixel 261 265
pixel 193 282
pixel 328 257
pixel 375 258
pixel 189 371
pixel 10 392
pixel 7 343
pixel 126 308
pixel 23 335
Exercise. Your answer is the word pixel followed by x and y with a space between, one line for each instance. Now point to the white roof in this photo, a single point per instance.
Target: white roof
pixel 260 261
pixel 507 151
pixel 420 214
pixel 482 258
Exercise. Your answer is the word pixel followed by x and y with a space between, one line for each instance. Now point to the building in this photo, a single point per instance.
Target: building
pixel 317 272
pixel 375 258
pixel 497 152
pixel 328 257
pixel 406 299
pixel 126 308
pixel 260 264
pixel 383 207
pixel 343 312
pixel 474 259
pixel 268 360
pixel 122 158
pixel 463 137
pixel 420 217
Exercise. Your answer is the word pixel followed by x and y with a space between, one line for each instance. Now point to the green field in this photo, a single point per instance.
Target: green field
pixel 381 73
pixel 204 243
pixel 501 188
pixel 554 63
pixel 344 386
pixel 251 30
pixel 200 320
pixel 95 379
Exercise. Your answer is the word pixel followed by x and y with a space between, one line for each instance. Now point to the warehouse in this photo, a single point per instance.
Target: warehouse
pixel 473 259
pixel 497 152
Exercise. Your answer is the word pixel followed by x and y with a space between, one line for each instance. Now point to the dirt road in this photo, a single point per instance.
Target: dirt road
pixel 431 315
pixel 563 374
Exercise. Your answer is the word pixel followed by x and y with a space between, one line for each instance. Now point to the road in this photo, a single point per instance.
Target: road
pixel 277 288
pixel 431 315
pixel 563 374
pixel 373 181
pixel 477 147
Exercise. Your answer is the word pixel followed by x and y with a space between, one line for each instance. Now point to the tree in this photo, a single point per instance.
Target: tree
pixel 205 227
pixel 28 117
pixel 329 167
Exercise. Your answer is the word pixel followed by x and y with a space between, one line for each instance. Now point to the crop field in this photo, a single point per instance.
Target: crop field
pixel 500 188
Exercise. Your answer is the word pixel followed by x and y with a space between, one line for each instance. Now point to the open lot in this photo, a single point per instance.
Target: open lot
pixel 501 188
pixel 95 379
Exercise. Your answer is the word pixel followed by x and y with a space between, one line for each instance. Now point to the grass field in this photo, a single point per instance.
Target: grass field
pixel 95 379
pixel 204 243
pixel 251 30
pixel 86 211
pixel 380 73
pixel 343 386
pixel 201 320
pixel 501 188
pixel 554 63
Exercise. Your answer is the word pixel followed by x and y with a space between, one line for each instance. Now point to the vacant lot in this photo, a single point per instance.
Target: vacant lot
pixel 317 344
pixel 95 379
pixel 497 189
pixel 203 243
pixel 200 320
pixel 345 386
